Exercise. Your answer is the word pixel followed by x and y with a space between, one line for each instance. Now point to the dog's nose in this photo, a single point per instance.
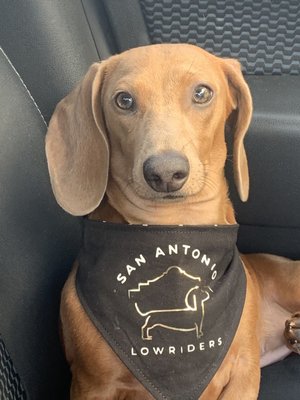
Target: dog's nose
pixel 167 171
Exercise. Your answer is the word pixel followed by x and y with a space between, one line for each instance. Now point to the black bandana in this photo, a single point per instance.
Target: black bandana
pixel 168 300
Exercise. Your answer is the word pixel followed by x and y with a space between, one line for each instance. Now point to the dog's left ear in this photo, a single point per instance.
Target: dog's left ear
pixel 77 146
pixel 241 104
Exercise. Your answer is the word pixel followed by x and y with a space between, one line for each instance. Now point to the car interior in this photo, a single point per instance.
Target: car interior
pixel 46 47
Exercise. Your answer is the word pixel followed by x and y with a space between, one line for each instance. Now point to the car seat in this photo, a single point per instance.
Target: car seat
pixel 46 47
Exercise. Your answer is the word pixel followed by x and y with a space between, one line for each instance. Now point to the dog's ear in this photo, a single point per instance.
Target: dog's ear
pixel 77 147
pixel 241 103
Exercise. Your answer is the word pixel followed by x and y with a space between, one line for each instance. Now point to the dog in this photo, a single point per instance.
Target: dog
pixel 141 141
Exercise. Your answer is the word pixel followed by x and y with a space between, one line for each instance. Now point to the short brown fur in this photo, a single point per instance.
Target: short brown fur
pixel 95 155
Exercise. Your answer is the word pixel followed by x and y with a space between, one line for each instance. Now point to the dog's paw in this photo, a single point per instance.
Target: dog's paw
pixel 292 332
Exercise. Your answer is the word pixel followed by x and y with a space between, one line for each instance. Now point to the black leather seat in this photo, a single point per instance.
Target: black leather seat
pixel 46 47
pixel 37 245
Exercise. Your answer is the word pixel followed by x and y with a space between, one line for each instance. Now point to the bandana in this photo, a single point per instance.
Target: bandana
pixel 167 299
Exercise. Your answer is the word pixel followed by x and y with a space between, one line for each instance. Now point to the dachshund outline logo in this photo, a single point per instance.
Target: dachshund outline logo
pixel 188 313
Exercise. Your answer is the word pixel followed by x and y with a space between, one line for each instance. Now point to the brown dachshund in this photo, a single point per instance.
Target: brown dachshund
pixel 141 141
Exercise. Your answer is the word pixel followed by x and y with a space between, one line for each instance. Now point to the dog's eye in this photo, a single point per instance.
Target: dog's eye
pixel 124 100
pixel 202 94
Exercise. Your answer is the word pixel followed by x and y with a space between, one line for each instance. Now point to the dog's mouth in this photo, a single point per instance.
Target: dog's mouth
pixel 158 191
pixel 156 197
pixel 173 197
pixel 145 193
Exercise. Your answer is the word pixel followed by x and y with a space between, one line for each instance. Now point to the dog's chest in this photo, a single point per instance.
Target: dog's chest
pixel 168 300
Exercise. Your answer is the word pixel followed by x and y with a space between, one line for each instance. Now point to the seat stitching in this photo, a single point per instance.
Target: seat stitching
pixel 24 85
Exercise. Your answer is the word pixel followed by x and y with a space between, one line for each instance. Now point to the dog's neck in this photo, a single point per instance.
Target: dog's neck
pixel 217 210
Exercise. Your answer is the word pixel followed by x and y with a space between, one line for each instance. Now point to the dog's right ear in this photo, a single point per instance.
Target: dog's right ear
pixel 241 103
pixel 77 147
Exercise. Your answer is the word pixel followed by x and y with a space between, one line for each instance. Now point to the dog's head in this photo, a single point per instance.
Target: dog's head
pixel 147 127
